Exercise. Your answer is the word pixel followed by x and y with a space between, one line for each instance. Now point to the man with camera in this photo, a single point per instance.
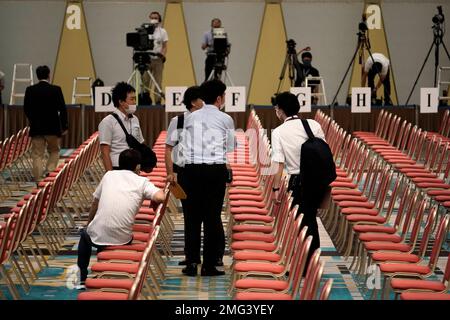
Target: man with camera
pixel 377 64
pixel 305 70
pixel 157 54
pixel 213 55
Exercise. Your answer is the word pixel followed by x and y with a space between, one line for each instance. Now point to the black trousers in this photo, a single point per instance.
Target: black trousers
pixel 84 253
pixel 386 85
pixel 204 185
pixel 309 202
pixel 209 65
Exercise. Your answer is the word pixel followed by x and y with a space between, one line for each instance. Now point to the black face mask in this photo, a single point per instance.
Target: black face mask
pixel 307 63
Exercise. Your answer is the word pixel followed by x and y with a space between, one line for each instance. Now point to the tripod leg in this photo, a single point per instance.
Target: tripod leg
pixel 345 75
pixel 158 88
pixel 283 72
pixel 420 72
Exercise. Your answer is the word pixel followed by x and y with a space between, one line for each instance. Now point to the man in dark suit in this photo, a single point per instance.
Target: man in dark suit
pixel 46 111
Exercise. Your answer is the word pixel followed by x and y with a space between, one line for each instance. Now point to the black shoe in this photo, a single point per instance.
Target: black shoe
pixel 212 271
pixel 190 270
pixel 184 262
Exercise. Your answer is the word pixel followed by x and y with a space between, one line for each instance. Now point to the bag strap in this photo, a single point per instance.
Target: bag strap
pixel 121 124
pixel 308 129
pixel 180 122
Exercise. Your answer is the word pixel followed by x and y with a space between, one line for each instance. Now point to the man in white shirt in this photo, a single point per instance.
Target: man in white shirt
pixel 207 138
pixel 287 140
pixel 117 199
pixel 174 153
pixel 159 53
pixel 377 64
pixel 112 137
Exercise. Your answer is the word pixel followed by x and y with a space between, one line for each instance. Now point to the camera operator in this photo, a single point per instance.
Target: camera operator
pixel 304 70
pixel 158 56
pixel 208 44
pixel 377 64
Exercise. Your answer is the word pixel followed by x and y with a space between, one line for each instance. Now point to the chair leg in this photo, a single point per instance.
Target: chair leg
pixel 9 283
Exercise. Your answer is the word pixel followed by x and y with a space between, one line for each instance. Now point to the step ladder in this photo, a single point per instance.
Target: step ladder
pixel 76 94
pixel 443 85
pixel 320 94
pixel 26 78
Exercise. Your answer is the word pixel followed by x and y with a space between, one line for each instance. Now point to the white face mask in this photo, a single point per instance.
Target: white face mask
pixel 131 109
pixel 154 21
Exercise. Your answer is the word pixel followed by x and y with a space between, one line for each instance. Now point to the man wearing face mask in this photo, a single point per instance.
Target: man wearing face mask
pixel 112 137
pixel 304 70
pixel 159 53
pixel 117 200
pixel 206 140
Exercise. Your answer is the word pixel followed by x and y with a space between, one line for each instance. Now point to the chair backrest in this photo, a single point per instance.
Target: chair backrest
pixel 301 257
pixel 418 219
pixel 441 235
pixel 443 122
pixel 427 231
pixel 141 275
pixel 296 244
pixel 313 262
pixel 326 289
pixel 315 282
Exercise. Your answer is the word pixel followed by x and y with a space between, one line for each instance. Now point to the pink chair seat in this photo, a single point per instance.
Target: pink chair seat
pixel 99 295
pixel 255 255
pixel 253 245
pixel 250 236
pixel 392 256
pixel 405 284
pixel 258 267
pixel 277 285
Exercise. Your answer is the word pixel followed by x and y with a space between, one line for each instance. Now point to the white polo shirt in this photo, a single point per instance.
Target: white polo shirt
pixel 159 37
pixel 173 139
pixel 120 194
pixel 287 141
pixel 377 57
pixel 111 133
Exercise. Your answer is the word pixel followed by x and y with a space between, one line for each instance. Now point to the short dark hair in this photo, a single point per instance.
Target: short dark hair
pixel 129 159
pixel 306 55
pixel 120 92
pixel 288 102
pixel 211 90
pixel 42 72
pixel 191 94
pixel 156 12
pixel 377 67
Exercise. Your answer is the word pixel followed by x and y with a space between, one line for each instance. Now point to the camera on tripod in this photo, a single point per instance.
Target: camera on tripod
pixel 290 44
pixel 221 47
pixel 439 18
pixel 142 42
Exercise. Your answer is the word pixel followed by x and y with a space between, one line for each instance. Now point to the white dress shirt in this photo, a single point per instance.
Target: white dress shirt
pixel 173 139
pixel 120 194
pixel 287 141
pixel 111 133
pixel 208 136
pixel 377 57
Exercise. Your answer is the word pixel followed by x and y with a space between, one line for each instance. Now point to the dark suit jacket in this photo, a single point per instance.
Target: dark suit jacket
pixel 45 109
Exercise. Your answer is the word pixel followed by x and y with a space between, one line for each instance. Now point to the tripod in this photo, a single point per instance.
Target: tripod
pixel 220 71
pixel 135 80
pixel 437 42
pixel 291 56
pixel 363 44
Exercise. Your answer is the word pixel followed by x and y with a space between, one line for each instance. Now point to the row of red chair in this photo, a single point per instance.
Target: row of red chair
pixel 41 211
pixel 367 221
pixel 14 157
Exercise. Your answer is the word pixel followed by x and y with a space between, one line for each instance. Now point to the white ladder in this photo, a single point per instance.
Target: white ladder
pixel 27 67
pixel 76 95
pixel 445 83
pixel 321 93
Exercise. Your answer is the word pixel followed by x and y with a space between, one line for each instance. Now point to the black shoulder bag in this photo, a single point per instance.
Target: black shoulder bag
pixel 148 157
